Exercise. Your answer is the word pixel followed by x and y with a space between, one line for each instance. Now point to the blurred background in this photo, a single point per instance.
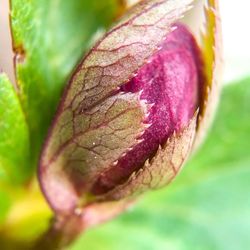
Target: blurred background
pixel 208 205
pixel 236 38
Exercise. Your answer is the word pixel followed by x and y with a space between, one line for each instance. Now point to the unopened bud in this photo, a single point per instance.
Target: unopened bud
pixel 132 111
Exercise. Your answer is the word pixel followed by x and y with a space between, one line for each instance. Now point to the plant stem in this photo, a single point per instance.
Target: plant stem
pixel 62 232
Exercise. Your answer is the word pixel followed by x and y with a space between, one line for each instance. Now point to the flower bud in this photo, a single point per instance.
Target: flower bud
pixel 170 83
pixel 131 112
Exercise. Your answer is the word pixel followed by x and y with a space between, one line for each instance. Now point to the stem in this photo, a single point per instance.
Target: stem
pixel 62 232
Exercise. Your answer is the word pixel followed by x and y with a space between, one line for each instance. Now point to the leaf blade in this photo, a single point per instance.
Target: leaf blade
pixel 14 137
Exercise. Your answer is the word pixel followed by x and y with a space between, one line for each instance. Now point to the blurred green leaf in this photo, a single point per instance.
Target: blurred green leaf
pixel 50 36
pixel 4 206
pixel 207 207
pixel 14 137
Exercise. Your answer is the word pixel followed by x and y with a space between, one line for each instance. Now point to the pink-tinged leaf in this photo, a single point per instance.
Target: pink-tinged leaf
pixel 212 53
pixel 97 138
pixel 96 122
pixel 162 168
pixel 101 212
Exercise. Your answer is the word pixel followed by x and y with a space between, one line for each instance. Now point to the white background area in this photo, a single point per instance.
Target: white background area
pixel 235 16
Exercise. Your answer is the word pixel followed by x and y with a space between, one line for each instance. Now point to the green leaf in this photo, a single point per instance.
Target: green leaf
pixel 50 36
pixel 4 205
pixel 207 207
pixel 14 137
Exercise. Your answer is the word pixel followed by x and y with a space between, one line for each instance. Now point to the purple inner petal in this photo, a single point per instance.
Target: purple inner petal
pixel 172 83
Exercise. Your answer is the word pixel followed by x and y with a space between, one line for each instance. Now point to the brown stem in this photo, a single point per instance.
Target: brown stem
pixel 62 232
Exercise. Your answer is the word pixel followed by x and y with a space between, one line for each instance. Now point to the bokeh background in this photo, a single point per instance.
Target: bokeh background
pixel 207 207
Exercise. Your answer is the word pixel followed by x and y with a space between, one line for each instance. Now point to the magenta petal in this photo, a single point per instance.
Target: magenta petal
pixel 171 82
